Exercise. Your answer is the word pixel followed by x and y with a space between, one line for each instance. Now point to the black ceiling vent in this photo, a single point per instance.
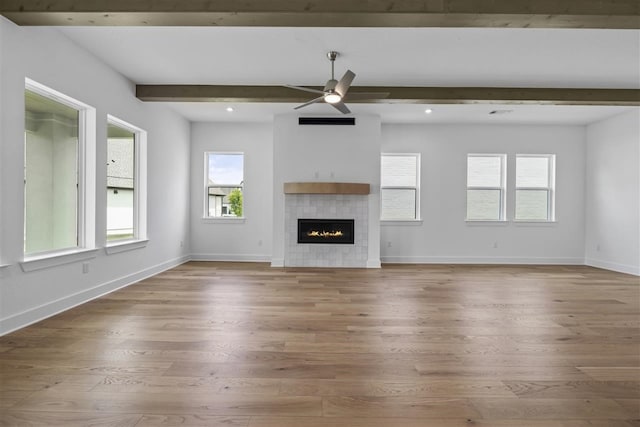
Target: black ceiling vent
pixel 344 121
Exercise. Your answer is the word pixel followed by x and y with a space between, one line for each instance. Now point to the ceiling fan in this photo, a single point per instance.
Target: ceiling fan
pixel 335 91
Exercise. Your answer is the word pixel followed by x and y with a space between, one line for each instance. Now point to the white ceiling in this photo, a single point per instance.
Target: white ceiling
pixel 380 57
pixel 407 113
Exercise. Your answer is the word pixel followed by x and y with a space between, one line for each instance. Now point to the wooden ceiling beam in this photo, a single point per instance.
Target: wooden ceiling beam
pixel 405 95
pixel 612 14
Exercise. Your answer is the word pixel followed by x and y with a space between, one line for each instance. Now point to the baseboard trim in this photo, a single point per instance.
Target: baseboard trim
pixel 614 266
pixel 44 311
pixel 374 263
pixel 480 260
pixel 230 258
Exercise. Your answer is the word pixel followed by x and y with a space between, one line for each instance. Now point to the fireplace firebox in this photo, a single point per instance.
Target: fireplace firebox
pixel 332 231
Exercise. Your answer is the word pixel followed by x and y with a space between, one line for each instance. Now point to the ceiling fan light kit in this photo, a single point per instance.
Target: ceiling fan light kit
pixel 332 98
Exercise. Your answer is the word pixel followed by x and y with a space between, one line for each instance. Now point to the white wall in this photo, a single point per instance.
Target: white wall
pixel 286 152
pixel 46 56
pixel 232 239
pixel 613 194
pixel 311 153
pixel 444 236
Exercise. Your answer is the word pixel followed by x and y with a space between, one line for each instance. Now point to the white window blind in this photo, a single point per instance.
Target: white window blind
pixel 485 187
pixel 535 176
pixel 399 186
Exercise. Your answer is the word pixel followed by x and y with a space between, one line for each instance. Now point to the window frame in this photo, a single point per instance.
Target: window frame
pixel 416 188
pixel 551 190
pixel 85 182
pixel 205 209
pixel 139 182
pixel 502 217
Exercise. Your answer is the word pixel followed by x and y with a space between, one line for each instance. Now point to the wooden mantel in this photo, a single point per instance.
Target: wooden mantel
pixel 326 188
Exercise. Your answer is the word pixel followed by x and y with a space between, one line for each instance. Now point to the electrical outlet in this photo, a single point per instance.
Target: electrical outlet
pixel 85 267
pixel 388 244
pixel 182 243
pixel 495 245
pixel 598 247
pixel 259 242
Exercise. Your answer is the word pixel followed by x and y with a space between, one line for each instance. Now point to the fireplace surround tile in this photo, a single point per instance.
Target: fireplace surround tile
pixel 326 206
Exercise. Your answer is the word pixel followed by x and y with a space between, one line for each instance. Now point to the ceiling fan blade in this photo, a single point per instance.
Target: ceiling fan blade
pixel 345 82
pixel 306 89
pixel 340 106
pixel 313 101
pixel 366 96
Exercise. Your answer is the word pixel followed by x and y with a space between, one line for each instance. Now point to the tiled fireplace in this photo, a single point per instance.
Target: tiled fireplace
pixel 318 249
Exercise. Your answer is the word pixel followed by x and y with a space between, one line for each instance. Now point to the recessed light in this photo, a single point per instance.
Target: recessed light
pixel 428 111
pixel 230 109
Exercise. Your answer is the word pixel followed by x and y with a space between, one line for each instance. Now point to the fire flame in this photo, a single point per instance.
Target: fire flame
pixel 325 234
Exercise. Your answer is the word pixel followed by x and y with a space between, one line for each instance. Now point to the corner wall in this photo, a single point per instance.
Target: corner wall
pixel 613 194
pixel 48 57
pixel 248 239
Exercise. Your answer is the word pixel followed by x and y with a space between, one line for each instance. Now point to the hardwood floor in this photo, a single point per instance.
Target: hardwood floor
pixel 246 345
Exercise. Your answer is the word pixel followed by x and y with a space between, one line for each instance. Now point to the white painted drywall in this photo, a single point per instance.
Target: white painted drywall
pixel 613 194
pixel 445 236
pixel 249 239
pixel 315 153
pixel 48 57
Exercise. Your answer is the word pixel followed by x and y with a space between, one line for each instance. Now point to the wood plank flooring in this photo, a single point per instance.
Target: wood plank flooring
pixel 246 345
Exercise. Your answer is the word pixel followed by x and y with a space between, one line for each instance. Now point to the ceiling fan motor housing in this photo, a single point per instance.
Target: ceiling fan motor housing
pixel 331 85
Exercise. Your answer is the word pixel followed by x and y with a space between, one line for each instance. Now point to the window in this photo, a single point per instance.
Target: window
pixel 126 217
pixel 535 176
pixel 59 153
pixel 224 185
pixel 486 187
pixel 400 186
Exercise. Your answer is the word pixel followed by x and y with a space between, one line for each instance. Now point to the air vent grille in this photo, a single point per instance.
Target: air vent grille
pixel 342 121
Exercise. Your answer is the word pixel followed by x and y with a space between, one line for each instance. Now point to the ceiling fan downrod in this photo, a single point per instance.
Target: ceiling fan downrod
pixel 332 57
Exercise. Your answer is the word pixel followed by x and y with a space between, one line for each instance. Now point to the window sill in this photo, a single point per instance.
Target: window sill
pixel 125 245
pixel 40 262
pixel 402 222
pixel 232 220
pixel 482 223
pixel 4 266
pixel 524 223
